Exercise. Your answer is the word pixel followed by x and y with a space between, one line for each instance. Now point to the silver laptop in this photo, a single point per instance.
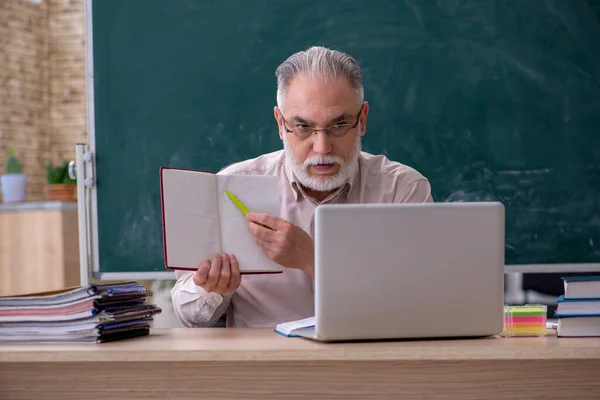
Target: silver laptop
pixel 392 271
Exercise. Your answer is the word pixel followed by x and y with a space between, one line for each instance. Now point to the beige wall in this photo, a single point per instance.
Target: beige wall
pixel 42 84
pixel 66 60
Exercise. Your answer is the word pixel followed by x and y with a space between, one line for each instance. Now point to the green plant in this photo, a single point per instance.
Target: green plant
pixel 58 174
pixel 13 166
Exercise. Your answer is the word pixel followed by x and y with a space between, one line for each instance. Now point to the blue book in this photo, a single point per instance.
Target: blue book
pixel 578 326
pixel 577 307
pixel 581 287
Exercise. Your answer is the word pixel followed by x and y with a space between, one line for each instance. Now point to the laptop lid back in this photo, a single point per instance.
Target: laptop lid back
pixel 409 270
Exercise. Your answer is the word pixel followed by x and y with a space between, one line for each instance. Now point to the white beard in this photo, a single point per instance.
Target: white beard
pixel 324 183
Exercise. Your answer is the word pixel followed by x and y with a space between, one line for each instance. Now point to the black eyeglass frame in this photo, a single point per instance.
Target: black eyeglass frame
pixel 312 131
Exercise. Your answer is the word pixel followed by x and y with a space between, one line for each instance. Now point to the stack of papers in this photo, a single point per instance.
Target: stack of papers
pixel 86 314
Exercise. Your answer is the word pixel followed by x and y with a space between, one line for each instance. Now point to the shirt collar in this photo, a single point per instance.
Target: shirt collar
pixel 298 191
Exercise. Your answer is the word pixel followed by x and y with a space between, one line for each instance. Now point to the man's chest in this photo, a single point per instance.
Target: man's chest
pixel 301 211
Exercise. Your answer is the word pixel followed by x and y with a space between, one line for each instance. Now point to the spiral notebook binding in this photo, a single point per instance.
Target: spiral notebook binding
pixel 112 306
pixel 127 296
pixel 113 336
pixel 112 298
pixel 116 310
pixel 124 314
pixel 141 325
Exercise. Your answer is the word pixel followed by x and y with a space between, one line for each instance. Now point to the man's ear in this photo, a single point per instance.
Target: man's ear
pixel 363 118
pixel 279 119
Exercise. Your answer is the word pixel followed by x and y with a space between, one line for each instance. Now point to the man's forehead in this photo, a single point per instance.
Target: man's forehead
pixel 307 88
pixel 320 100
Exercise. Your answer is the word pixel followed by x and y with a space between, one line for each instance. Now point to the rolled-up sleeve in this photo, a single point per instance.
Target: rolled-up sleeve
pixel 193 306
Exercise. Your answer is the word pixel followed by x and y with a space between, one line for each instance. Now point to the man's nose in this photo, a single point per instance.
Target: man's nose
pixel 321 144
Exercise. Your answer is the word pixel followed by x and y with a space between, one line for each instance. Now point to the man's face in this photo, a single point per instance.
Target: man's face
pixel 321 161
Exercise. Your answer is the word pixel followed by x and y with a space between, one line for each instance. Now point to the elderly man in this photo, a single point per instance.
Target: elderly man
pixel 321 115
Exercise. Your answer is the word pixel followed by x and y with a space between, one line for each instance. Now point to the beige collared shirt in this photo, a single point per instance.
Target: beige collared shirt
pixel 266 300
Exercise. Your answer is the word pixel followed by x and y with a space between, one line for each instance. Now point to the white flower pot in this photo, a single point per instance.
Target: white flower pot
pixel 14 187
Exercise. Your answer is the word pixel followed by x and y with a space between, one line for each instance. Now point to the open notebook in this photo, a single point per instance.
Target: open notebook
pixel 199 219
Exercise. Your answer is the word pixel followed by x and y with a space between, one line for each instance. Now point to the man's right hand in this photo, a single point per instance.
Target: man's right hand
pixel 221 274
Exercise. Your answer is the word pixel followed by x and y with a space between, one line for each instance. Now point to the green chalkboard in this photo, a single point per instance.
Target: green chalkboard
pixel 491 100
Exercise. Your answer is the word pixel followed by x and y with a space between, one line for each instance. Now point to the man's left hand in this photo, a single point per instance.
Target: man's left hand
pixel 285 243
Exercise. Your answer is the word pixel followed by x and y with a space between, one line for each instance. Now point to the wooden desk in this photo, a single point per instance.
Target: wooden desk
pixel 259 364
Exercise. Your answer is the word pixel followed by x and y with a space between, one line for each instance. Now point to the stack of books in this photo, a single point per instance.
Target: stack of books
pixel 578 309
pixel 85 314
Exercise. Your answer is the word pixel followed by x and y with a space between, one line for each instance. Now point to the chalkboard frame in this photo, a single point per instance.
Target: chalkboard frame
pixel 89 244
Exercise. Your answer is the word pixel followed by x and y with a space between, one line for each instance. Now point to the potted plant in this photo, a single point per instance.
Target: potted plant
pixel 59 185
pixel 13 182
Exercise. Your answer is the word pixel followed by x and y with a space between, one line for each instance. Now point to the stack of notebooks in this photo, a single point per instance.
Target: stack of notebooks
pixel 86 314
pixel 578 309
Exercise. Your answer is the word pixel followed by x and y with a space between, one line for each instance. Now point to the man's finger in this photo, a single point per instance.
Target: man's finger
pixel 225 272
pixel 236 277
pixel 266 246
pixel 269 221
pixel 214 273
pixel 261 243
pixel 201 273
pixel 260 232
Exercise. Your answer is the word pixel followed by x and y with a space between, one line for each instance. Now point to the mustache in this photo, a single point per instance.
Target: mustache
pixel 326 159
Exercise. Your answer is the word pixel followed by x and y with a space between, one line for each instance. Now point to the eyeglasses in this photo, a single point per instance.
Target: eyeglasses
pixel 337 130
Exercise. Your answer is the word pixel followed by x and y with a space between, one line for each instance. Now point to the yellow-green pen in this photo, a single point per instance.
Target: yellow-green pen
pixel 237 202
pixel 241 206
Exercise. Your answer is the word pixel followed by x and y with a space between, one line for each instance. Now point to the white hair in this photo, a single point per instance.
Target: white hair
pixel 324 183
pixel 322 62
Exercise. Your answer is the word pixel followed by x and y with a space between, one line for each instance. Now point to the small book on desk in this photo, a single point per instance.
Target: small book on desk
pixel 294 328
pixel 579 326
pixel 577 307
pixel 581 287
pixel 199 219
